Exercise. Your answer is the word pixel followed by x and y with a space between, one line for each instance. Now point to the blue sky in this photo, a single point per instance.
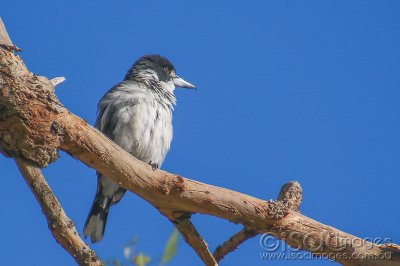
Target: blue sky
pixel 287 90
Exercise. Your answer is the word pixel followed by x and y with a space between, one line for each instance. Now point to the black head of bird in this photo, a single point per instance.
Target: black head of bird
pixel 156 69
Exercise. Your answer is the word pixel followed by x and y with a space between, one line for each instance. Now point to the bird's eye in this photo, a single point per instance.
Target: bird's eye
pixel 166 69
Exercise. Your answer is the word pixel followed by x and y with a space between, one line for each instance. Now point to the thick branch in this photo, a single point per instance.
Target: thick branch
pixel 34 125
pixel 60 225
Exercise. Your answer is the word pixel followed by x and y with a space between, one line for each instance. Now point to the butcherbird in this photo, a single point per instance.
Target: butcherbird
pixel 137 115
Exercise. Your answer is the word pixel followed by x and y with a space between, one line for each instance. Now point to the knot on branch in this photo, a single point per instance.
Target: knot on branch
pixel 276 210
pixel 56 128
pixel 176 183
pixel 289 198
pixel 291 195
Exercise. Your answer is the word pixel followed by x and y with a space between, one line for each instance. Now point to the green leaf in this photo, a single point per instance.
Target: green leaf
pixel 170 248
pixel 141 260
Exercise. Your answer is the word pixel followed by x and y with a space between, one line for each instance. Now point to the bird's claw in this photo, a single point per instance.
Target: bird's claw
pixel 154 166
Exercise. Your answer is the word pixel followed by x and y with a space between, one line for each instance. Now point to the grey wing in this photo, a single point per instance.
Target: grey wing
pixel 106 109
pixel 113 120
pixel 114 109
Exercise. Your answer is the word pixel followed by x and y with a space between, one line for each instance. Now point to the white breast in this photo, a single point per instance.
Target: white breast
pixel 145 130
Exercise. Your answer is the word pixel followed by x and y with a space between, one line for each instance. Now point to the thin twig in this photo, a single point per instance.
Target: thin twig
pixel 57 81
pixel 60 225
pixel 233 243
pixel 194 239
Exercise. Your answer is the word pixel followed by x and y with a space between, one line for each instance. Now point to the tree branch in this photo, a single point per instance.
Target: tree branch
pixel 233 243
pixel 34 125
pixel 61 227
pixel 290 195
pixel 193 238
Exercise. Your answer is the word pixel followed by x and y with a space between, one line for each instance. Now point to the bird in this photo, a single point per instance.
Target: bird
pixel 137 115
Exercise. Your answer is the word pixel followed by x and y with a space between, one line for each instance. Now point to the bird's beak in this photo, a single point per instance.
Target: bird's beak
pixel 180 82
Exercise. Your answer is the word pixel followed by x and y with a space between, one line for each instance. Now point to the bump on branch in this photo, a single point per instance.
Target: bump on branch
pixel 291 195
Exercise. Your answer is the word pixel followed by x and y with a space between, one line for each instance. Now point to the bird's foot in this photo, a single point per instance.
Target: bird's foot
pixel 154 166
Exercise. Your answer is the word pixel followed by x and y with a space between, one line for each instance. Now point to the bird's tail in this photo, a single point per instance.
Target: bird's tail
pixel 97 219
